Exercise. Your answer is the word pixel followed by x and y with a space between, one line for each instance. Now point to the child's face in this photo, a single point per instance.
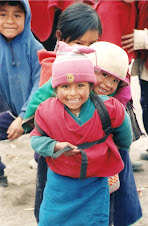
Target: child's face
pixel 12 19
pixel 90 37
pixel 74 95
pixel 106 84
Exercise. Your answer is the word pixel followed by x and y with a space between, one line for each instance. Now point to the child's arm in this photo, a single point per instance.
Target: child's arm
pixel 34 76
pixel 46 146
pixel 44 92
pixel 122 135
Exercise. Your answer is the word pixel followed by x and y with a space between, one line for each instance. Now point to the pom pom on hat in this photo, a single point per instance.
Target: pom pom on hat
pixel 110 58
pixel 72 65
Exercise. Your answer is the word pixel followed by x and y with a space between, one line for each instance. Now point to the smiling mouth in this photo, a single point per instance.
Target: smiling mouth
pixel 102 89
pixel 73 101
pixel 10 28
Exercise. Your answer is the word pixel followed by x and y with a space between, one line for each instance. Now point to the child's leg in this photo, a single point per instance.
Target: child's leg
pixel 3 104
pixel 144 105
pixel 144 102
pixel 126 201
pixel 40 184
pixel 111 212
pixel 3 179
pixel 2 167
pixel 5 120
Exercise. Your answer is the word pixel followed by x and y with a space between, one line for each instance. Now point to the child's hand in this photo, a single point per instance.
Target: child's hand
pixel 15 129
pixel 128 42
pixel 61 145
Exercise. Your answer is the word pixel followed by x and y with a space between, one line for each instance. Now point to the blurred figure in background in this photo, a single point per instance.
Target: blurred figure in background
pixel 118 18
pixel 45 15
pixel 138 41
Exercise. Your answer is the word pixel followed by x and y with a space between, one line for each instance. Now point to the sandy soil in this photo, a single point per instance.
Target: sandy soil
pixel 17 200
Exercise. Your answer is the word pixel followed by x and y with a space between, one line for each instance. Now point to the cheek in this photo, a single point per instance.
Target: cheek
pixel 97 83
pixel 21 27
pixel 98 80
pixel 86 94
pixel 115 86
pixel 62 95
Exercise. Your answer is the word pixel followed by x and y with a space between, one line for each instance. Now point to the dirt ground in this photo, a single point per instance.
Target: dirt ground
pixel 17 200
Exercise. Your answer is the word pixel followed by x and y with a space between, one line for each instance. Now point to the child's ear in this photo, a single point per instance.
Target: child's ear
pixel 58 35
pixel 91 87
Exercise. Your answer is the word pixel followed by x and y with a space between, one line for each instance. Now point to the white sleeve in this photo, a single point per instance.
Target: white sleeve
pixel 140 39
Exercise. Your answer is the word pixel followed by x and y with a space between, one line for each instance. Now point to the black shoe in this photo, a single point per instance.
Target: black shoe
pixel 137 166
pixel 144 156
pixel 3 181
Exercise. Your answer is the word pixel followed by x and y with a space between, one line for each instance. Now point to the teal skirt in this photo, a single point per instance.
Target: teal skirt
pixel 69 201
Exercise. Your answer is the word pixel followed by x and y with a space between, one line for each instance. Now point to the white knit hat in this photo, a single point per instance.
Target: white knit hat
pixel 111 59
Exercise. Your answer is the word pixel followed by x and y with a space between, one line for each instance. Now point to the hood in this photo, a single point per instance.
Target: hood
pixel 27 16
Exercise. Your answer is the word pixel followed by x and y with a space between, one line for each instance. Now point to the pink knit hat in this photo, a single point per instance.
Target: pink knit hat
pixel 72 65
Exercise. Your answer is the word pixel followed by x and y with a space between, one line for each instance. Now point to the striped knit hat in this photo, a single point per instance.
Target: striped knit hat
pixel 72 65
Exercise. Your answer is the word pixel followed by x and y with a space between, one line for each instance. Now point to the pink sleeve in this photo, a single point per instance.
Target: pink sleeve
pixel 124 95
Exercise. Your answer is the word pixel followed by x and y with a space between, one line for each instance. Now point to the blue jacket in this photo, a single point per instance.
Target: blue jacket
pixel 19 67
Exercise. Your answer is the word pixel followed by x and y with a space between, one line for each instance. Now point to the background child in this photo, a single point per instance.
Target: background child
pixel 20 69
pixel 111 68
pixel 69 125
pixel 138 41
pixel 73 28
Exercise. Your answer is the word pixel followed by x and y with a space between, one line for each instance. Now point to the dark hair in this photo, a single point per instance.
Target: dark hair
pixel 76 20
pixel 13 3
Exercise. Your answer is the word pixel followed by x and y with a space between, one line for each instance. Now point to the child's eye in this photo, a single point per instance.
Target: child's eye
pixel 2 14
pixel 92 42
pixel 17 16
pixel 116 81
pixel 80 85
pixel 65 86
pixel 79 43
pixel 105 75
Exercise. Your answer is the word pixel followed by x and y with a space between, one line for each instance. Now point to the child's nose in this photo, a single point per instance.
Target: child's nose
pixel 10 19
pixel 72 91
pixel 108 83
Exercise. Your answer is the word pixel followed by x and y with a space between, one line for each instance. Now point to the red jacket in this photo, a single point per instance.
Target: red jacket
pixel 103 159
pixel 117 18
pixel 43 16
